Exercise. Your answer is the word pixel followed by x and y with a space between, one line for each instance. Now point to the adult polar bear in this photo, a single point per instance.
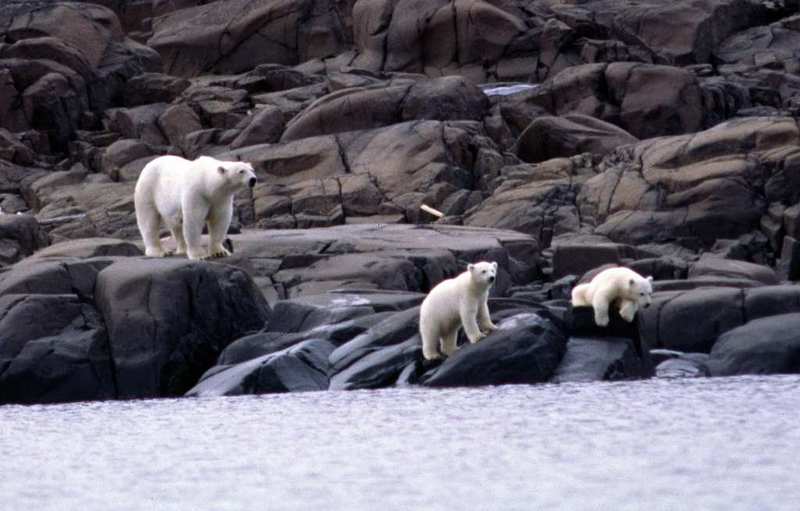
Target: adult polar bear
pixel 619 285
pixel 186 195
pixel 462 300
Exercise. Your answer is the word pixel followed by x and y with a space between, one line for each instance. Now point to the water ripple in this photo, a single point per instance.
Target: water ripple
pixel 711 444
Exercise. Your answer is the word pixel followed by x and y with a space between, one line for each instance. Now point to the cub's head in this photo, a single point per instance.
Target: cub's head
pixel 237 174
pixel 641 290
pixel 483 273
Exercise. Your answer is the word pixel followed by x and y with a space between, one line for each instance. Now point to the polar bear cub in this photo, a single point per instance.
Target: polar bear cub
pixel 186 195
pixel 453 303
pixel 622 285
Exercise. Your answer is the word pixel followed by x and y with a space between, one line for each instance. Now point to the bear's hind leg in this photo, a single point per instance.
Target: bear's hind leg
pixel 149 221
pixel 194 215
pixel 180 242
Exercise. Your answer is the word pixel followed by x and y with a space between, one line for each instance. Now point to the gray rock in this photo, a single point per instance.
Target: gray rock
pixel 768 345
pixel 596 359
pixel 378 368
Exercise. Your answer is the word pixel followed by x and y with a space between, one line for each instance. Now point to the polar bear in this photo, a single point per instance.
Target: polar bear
pixel 621 285
pixel 453 303
pixel 186 195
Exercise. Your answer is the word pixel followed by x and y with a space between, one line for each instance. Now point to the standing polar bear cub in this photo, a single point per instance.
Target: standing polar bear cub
pixel 456 302
pixel 622 285
pixel 186 195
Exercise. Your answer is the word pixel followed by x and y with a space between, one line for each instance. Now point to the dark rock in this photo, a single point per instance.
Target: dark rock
pixel 296 369
pixel 148 88
pixel 788 266
pixel 716 267
pixel 764 346
pixel 296 316
pixel 54 348
pixel 393 330
pixel 526 349
pixel 266 126
pixel 595 359
pixel 168 320
pixel 378 368
pixel 20 236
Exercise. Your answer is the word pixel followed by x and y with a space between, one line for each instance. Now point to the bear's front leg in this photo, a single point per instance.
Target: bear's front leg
pixel 219 220
pixel 600 303
pixel 469 320
pixel 195 211
pixel 628 310
pixel 484 319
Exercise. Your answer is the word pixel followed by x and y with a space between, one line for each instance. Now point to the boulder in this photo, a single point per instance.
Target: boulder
pixel 379 368
pixel 553 137
pixel 763 346
pixel 168 320
pixel 596 359
pixel 527 348
pixel 54 348
pixel 20 236
pixel 299 368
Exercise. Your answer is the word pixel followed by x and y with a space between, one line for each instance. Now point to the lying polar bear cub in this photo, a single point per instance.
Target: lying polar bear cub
pixel 453 303
pixel 186 195
pixel 622 285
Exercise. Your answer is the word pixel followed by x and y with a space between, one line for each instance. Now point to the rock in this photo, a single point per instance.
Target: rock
pixel 298 316
pixel 685 365
pixel 124 159
pixel 763 346
pixel 554 137
pixel 54 348
pixel 176 123
pixel 694 189
pixel 379 368
pixel 300 368
pixel 709 266
pixel 788 266
pixel 88 248
pixel 469 37
pixel 595 359
pixel 526 349
pixel 539 200
pixel 266 126
pixel 393 330
pixel 148 88
pixel 168 320
pixel 443 99
pixel 643 99
pixel 579 256
pixel 20 236
pixel 231 36
pixel 138 122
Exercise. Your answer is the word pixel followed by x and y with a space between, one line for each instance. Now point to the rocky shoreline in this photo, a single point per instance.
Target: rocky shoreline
pixel 556 137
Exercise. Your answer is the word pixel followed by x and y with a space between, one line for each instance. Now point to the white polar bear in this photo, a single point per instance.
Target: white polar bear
pixel 456 302
pixel 622 285
pixel 186 195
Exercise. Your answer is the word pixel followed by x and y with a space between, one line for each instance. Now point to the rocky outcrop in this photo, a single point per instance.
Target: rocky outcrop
pixel 763 346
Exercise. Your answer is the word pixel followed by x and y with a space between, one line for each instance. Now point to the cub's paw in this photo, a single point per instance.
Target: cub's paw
pixel 601 320
pixel 219 253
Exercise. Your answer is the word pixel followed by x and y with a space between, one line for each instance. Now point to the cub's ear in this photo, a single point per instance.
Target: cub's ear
pixel 221 170
pixel 495 265
pixel 650 278
pixel 470 267
pixel 631 282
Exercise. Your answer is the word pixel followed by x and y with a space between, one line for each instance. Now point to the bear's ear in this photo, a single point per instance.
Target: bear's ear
pixel 221 170
pixel 470 267
pixel 495 265
pixel 650 278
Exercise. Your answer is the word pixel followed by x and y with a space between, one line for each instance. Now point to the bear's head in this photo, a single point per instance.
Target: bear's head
pixel 483 273
pixel 641 290
pixel 237 174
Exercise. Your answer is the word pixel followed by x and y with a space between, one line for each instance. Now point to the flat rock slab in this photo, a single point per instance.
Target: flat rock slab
pixel 596 359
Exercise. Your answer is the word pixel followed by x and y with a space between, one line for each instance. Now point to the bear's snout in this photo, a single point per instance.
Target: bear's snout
pixel 491 279
pixel 646 305
pixel 252 182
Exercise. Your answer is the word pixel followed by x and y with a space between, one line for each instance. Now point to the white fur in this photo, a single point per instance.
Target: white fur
pixel 453 303
pixel 186 195
pixel 623 285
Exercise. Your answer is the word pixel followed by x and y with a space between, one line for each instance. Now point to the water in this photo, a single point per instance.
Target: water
pixel 726 443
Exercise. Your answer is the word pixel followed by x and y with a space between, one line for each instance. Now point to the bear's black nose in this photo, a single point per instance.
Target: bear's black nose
pixel 252 182
pixel 491 279
pixel 646 305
